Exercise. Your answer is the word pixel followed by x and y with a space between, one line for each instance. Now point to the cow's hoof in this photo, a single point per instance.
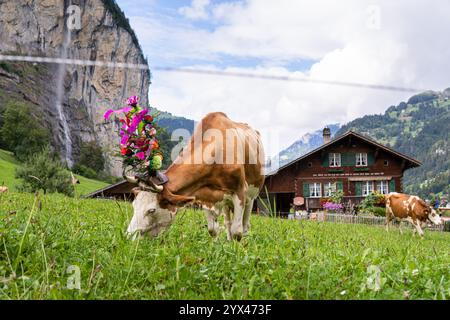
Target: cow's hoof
pixel 236 232
pixel 213 232
pixel 237 236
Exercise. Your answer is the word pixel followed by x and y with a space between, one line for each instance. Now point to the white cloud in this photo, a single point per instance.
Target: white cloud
pixel 410 48
pixel 196 11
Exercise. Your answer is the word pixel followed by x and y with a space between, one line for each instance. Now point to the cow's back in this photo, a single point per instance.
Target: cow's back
pixel 245 138
pixel 396 204
pixel 207 180
pixel 404 206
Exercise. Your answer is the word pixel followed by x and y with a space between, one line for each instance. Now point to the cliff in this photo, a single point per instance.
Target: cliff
pixel 72 97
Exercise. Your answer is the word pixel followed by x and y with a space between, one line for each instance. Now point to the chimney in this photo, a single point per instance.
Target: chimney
pixel 326 135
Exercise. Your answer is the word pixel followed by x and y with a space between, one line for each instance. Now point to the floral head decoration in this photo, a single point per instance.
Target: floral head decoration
pixel 139 146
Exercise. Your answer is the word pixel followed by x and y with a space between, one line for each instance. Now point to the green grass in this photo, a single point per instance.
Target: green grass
pixel 87 186
pixel 8 167
pixel 280 259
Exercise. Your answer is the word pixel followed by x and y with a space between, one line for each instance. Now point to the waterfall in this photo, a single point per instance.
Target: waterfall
pixel 60 90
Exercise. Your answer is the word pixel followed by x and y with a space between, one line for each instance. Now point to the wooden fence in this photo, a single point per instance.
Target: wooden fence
pixel 360 219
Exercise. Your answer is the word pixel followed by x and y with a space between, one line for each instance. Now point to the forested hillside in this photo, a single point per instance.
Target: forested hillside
pixel 419 128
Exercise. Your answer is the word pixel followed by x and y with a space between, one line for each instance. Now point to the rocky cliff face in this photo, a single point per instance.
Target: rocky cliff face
pixel 39 28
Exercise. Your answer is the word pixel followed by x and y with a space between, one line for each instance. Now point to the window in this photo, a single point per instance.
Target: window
pixel 386 163
pixel 309 164
pixel 315 190
pixel 335 159
pixel 367 188
pixel 329 189
pixel 382 187
pixel 361 159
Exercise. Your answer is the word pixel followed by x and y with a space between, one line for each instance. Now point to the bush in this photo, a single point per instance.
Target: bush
pixel 44 172
pixel 375 199
pixel 91 156
pixel 103 176
pixel 6 66
pixel 22 132
pixel 376 211
pixel 84 171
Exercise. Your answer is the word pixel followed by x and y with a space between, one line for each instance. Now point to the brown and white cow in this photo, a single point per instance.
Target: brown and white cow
pixel 219 170
pixel 3 189
pixel 404 207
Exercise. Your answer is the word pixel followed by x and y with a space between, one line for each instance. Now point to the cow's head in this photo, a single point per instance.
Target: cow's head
pixel 154 208
pixel 434 217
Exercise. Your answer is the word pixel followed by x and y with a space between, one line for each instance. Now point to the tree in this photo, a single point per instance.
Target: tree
pixel 166 145
pixel 22 131
pixel 91 156
pixel 45 172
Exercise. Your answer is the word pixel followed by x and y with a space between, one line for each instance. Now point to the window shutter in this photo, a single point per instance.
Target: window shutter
pixel 392 186
pixel 326 160
pixel 370 159
pixel 358 188
pixel 339 186
pixel 345 160
pixel 350 159
pixel 305 190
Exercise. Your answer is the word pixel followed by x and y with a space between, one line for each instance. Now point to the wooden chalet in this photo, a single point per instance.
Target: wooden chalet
pixel 118 191
pixel 351 162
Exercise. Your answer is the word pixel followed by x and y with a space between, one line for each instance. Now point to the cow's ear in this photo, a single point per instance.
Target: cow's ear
pixel 136 191
pixel 181 201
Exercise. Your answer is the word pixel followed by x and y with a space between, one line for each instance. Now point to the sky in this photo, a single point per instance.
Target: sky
pixel 401 43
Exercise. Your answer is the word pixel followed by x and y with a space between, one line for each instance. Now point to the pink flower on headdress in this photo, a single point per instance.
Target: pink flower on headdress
pixel 109 112
pixel 136 120
pixel 133 101
pixel 125 139
pixel 140 155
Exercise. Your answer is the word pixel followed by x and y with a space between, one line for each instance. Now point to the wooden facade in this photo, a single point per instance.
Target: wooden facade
pixel 352 163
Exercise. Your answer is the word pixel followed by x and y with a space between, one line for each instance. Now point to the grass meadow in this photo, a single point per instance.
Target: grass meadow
pixel 54 247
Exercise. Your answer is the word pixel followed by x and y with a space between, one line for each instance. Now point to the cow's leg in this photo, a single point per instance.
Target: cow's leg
pixel 400 226
pixel 247 215
pixel 237 228
pixel 227 221
pixel 213 224
pixel 388 215
pixel 418 228
pixel 252 194
pixel 389 219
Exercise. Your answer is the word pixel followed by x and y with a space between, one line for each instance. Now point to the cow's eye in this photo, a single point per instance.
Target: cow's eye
pixel 150 211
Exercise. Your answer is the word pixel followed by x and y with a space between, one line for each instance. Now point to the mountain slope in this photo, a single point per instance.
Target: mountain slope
pixel 306 143
pixel 419 128
pixel 171 122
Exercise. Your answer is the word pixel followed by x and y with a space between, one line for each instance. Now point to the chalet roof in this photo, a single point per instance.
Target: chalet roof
pixel 412 162
pixel 108 189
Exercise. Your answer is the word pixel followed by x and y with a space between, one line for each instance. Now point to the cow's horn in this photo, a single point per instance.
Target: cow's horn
pixel 154 186
pixel 130 179
pixel 151 188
